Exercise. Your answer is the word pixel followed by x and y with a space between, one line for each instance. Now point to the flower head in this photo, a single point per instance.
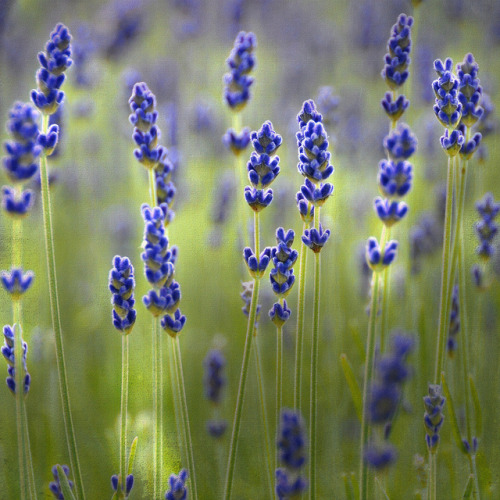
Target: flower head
pixel 176 486
pixel 54 62
pixel 8 351
pixel 241 61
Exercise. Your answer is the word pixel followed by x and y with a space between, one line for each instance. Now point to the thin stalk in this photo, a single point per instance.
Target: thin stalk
pixel 179 432
pixel 241 181
pixel 301 303
pixel 314 365
pixel 181 388
pixel 156 430
pixel 159 366
pixel 385 293
pixel 445 274
pixel 464 321
pixel 432 486
pixel 279 378
pixel 56 323
pixel 369 361
pixel 19 379
pixel 252 316
pixel 241 390
pixel 29 461
pixel 263 411
pixel 123 413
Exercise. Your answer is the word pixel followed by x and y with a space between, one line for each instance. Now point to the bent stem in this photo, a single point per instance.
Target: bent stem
pixel 314 365
pixel 369 360
pixel 56 323
pixel 181 389
pixel 301 302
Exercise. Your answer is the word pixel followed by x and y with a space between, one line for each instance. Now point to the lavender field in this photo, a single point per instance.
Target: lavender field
pixel 249 250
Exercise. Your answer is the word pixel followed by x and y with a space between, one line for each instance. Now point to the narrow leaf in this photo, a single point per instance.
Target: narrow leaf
pixel 63 481
pixel 353 385
pixel 468 488
pixel 477 407
pixel 453 415
pixel 131 457
pixel 349 490
pixel 350 484
pixel 381 488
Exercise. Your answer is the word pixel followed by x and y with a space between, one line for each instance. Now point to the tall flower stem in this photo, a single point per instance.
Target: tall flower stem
pixel 157 367
pixel 56 322
pixel 19 379
pixel 244 372
pixel 123 412
pixel 241 181
pixel 29 461
pixel 301 303
pixel 314 364
pixel 181 388
pixel 445 277
pixel 156 413
pixel 279 376
pixel 269 462
pixel 369 361
pixel 385 294
pixel 465 322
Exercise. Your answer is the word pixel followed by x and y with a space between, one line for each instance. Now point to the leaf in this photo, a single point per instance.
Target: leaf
pixel 63 481
pixel 353 385
pixel 381 488
pixel 349 489
pixel 468 488
pixel 453 415
pixel 477 407
pixel 131 457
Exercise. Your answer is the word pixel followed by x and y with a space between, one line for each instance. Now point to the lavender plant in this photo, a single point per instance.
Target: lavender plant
pixel 54 61
pixel 121 285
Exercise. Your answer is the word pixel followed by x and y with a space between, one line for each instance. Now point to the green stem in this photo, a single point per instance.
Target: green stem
pixel 385 293
pixel 181 388
pixel 28 458
pixel 473 468
pixel 156 416
pixel 314 365
pixel 432 487
pixel 159 367
pixel 241 180
pixel 301 303
pixel 56 323
pixel 19 379
pixel 123 413
pixel 241 389
pixel 279 378
pixel 369 361
pixel 445 277
pixel 262 399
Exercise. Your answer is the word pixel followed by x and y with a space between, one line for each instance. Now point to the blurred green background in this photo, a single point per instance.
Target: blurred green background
pixel 179 49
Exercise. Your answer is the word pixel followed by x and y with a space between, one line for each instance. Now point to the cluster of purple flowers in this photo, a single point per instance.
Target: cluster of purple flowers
pixel 457 105
pixel 281 276
pixel 397 59
pixel 54 62
pixel 292 455
pixel 385 397
pixel 214 382
pixel 129 483
pixel 433 416
pixel 246 297
pixel 314 164
pixel 486 230
pixel 241 61
pixel 454 328
pixel 159 261
pixel 9 355
pixel 55 486
pixel 121 285
pixel 177 486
